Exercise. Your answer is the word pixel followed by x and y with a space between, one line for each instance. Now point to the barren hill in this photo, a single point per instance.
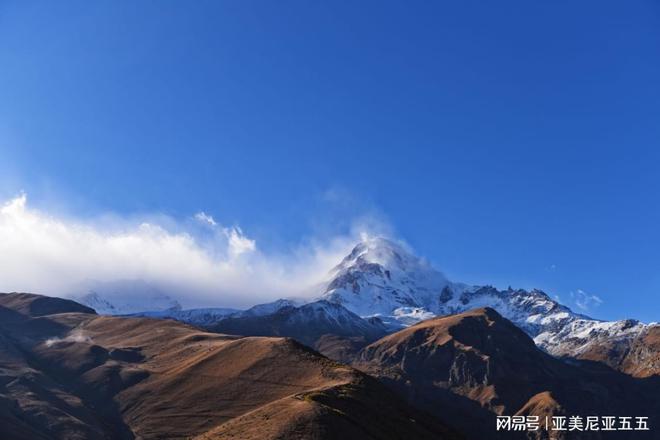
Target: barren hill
pixel 75 375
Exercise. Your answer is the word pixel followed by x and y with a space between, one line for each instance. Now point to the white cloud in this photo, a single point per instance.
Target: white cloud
pixel 585 301
pixel 51 255
pixel 238 243
pixel 205 218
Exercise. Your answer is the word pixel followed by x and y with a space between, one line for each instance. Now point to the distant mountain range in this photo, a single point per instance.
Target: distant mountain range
pixel 381 286
pixel 123 297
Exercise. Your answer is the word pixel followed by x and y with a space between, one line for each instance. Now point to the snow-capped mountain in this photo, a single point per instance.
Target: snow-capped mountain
pixel 205 317
pixel 209 316
pixel 124 297
pixel 383 278
pixel 270 308
pixel 334 315
pixel 201 317
pixel 307 323
pixel 380 277
pixel 577 336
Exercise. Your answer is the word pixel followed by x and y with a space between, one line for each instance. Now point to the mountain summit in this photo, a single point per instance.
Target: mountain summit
pixel 381 277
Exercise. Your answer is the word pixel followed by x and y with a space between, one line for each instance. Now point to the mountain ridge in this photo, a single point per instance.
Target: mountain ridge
pixel 383 279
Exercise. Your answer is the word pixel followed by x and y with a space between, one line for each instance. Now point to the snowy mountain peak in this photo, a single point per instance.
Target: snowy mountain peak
pixel 379 276
pixel 379 250
pixel 390 256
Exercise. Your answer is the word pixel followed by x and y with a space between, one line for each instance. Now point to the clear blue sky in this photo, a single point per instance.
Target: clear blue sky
pixel 516 142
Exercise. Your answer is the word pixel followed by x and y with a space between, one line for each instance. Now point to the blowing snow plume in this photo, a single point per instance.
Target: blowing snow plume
pixel 205 264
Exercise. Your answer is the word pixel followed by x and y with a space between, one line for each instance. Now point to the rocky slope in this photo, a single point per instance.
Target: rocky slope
pixel 637 354
pixel 67 373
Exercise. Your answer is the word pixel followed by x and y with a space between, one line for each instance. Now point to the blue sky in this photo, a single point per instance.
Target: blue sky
pixel 508 142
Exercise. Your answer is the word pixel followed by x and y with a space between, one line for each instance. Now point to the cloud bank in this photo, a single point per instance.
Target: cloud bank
pixel 205 264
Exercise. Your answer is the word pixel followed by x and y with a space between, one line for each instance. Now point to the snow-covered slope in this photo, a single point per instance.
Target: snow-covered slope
pixel 202 317
pixel 332 314
pixel 579 335
pixel 206 317
pixel 271 307
pixel 383 278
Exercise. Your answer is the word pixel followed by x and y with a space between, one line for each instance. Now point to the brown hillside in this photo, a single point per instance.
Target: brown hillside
pixel 73 375
pixel 470 367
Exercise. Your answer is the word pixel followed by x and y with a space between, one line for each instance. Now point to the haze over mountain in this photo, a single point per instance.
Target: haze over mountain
pixel 123 297
pixel 133 261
